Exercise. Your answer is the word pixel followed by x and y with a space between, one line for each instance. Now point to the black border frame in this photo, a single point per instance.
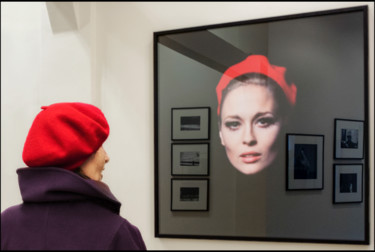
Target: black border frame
pixel 287 162
pixel 335 170
pixel 191 210
pixel 193 174
pixel 366 180
pixel 334 141
pixel 192 139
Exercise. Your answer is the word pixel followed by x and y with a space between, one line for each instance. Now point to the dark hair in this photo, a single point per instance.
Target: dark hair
pixel 283 106
pixel 79 172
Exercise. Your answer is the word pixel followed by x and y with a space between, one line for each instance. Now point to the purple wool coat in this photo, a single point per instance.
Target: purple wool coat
pixel 61 210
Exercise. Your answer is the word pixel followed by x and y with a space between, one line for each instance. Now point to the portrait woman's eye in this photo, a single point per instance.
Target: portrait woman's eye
pixel 232 125
pixel 265 122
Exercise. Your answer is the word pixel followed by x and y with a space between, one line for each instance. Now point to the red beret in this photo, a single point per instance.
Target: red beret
pixel 65 135
pixel 256 64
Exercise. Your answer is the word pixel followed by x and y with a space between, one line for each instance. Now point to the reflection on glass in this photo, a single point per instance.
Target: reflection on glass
pixel 253 103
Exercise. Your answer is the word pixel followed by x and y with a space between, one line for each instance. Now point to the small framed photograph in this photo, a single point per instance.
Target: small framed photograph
pixel 190 159
pixel 189 194
pixel 348 139
pixel 191 123
pixel 305 154
pixel 347 183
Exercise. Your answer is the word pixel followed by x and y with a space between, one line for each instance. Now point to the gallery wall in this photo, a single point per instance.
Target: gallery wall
pixel 102 53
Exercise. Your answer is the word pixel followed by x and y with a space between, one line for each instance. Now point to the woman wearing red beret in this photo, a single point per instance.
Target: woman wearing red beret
pixel 253 102
pixel 65 204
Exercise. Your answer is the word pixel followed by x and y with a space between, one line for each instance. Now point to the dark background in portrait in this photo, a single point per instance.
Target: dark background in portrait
pixel 324 57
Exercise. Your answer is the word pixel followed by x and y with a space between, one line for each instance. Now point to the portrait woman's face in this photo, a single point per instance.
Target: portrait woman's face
pixel 249 127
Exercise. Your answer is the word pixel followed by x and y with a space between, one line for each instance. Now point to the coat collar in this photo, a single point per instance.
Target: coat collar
pixel 52 184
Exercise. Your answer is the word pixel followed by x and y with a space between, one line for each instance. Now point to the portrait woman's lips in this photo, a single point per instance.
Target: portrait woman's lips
pixel 250 157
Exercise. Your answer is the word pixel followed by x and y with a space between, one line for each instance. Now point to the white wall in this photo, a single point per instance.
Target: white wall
pixel 102 53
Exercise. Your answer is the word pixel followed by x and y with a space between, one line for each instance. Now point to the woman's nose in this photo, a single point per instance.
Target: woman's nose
pixel 106 157
pixel 249 136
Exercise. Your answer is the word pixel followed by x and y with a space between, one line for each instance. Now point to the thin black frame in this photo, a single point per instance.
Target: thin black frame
pixel 300 184
pixel 195 135
pixel 336 194
pixel 337 142
pixel 366 194
pixel 207 163
pixel 192 180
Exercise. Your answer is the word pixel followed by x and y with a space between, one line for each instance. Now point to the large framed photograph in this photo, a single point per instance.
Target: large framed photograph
pixel 348 183
pixel 189 194
pixel 349 139
pixel 190 159
pixel 191 123
pixel 305 162
pixel 264 95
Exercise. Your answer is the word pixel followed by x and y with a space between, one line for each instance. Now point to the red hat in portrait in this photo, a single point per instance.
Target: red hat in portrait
pixel 257 64
pixel 65 135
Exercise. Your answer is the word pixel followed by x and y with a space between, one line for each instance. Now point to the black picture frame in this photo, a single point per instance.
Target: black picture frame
pixel 349 139
pixel 192 123
pixel 180 58
pixel 347 183
pixel 189 194
pixel 190 159
pixel 305 162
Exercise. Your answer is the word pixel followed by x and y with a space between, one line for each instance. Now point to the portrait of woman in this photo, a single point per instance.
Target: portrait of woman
pixel 254 101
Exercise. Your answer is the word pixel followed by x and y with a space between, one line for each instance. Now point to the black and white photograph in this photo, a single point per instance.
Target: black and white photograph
pixel 349 138
pixel 349 135
pixel 191 123
pixel 305 165
pixel 189 194
pixel 190 159
pixel 305 162
pixel 347 184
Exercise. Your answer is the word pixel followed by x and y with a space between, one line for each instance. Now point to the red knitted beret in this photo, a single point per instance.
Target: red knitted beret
pixel 65 135
pixel 256 64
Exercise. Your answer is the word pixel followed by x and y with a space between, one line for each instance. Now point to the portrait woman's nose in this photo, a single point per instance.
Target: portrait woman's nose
pixel 249 136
